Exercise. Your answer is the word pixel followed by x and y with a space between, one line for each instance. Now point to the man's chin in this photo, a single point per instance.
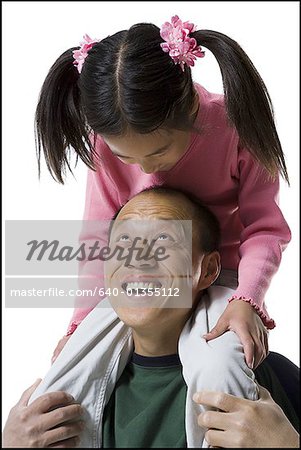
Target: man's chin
pixel 138 317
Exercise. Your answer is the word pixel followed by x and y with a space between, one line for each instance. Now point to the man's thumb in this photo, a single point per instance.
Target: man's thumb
pixel 28 393
pixel 264 393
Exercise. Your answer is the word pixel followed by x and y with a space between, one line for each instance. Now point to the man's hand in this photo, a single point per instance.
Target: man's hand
pixel 240 317
pixel 61 344
pixel 39 425
pixel 245 423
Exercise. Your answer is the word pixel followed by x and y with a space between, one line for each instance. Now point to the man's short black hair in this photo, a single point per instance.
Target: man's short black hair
pixel 208 228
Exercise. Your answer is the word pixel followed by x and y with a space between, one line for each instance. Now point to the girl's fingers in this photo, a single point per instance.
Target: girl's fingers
pixel 266 343
pixel 61 344
pixel 261 349
pixel 248 345
pixel 220 328
pixel 258 353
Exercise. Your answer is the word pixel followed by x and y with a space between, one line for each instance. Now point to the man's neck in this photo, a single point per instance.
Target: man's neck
pixel 157 342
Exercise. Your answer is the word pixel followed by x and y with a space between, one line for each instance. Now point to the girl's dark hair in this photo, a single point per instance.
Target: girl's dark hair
pixel 128 83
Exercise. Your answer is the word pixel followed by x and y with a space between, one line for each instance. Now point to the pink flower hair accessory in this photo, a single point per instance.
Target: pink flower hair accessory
pixel 181 48
pixel 81 54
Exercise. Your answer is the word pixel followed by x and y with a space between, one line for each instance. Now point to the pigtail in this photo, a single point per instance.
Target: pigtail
pixel 60 123
pixel 249 106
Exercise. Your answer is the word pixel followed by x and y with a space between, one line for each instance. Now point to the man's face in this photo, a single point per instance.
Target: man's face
pixel 161 279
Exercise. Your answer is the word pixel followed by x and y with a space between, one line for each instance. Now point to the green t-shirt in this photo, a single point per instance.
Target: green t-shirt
pixel 147 407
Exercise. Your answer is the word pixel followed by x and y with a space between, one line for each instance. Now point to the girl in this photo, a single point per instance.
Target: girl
pixel 128 107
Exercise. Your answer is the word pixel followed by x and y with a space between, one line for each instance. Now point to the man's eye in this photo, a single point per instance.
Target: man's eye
pixel 164 237
pixel 124 238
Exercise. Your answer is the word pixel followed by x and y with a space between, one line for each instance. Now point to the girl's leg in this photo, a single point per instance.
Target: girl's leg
pixel 218 365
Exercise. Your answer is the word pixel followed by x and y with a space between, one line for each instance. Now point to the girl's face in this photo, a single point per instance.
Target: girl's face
pixel 154 152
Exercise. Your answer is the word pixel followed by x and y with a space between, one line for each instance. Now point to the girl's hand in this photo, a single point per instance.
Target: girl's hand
pixel 39 425
pixel 61 344
pixel 245 423
pixel 240 317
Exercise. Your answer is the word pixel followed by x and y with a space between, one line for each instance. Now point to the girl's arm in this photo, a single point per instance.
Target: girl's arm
pixel 265 234
pixel 102 202
pixel 264 237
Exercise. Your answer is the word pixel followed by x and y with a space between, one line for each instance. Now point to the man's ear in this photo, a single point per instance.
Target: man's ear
pixel 211 266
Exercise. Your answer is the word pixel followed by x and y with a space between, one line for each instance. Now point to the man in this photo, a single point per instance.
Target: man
pixel 140 398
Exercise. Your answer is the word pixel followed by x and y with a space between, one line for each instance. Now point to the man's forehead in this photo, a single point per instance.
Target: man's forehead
pixel 154 225
pixel 163 206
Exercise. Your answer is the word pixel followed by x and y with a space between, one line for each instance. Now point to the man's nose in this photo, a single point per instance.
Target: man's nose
pixel 145 258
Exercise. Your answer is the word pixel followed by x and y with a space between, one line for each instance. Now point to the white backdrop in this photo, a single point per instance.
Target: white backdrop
pixel 34 35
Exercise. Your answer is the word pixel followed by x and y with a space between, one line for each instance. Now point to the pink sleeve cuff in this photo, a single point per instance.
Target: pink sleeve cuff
pixel 267 321
pixel 71 328
pixel 78 316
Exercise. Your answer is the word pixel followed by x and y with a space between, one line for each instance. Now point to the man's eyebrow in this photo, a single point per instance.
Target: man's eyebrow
pixel 159 150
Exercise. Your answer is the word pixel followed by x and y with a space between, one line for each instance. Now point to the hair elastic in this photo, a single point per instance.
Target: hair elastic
pixel 81 54
pixel 181 48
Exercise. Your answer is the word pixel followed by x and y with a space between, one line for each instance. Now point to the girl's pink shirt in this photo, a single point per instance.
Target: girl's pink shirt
pixel 227 179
